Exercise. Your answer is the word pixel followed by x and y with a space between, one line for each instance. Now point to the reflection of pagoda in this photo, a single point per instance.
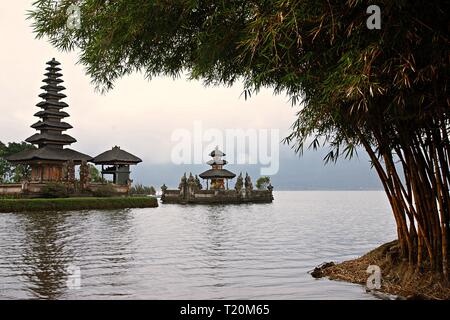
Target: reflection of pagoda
pixel 48 160
pixel 217 174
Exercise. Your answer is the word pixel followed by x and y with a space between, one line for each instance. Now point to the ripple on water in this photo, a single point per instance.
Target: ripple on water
pixel 194 252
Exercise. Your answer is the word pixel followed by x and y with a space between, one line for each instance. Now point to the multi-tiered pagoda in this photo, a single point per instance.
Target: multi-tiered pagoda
pixel 50 157
pixel 217 174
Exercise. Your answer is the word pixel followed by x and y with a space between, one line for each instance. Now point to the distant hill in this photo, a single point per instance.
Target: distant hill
pixel 296 173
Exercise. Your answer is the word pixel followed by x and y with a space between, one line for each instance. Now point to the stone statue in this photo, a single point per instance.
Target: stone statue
pixel 85 175
pixel 163 192
pixel 199 184
pixel 191 179
pixel 70 172
pixel 192 185
pixel 248 182
pixel 182 184
pixel 239 183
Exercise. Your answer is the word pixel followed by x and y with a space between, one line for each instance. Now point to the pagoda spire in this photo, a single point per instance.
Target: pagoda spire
pixel 217 162
pixel 50 126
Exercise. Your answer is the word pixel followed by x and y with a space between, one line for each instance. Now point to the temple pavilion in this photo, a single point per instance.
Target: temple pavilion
pixel 217 174
pixel 117 162
pixel 50 159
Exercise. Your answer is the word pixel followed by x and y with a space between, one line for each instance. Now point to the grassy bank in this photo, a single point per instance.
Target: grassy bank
pixel 67 204
pixel 398 278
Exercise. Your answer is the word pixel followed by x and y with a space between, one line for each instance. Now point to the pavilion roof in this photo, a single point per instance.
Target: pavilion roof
pixel 217 173
pixel 116 156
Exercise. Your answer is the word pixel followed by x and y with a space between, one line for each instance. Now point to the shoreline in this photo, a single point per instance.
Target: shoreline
pixel 398 278
pixel 81 203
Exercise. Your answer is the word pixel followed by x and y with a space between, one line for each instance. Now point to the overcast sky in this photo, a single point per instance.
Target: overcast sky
pixel 138 115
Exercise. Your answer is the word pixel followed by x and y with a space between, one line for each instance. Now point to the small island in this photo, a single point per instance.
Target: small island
pixel 190 189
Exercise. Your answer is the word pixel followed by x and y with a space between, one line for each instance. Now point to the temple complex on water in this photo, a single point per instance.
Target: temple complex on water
pixel 190 189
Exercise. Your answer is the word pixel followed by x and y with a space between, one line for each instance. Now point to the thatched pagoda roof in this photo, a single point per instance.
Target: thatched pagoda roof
pixel 51 114
pixel 50 139
pixel 49 153
pixel 217 162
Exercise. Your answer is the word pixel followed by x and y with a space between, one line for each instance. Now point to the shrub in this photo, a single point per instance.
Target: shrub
pixel 55 190
pixel 104 191
pixel 262 183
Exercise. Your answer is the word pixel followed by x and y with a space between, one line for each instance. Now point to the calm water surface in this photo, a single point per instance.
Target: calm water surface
pixel 194 252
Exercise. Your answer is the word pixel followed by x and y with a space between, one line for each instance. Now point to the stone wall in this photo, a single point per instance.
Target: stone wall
pixel 10 189
pixel 217 197
pixel 34 189
pixel 120 189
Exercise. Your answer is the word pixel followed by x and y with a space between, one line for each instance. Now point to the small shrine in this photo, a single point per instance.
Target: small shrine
pixel 190 189
pixel 217 174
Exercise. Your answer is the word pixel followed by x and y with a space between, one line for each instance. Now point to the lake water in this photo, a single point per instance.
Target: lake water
pixel 260 251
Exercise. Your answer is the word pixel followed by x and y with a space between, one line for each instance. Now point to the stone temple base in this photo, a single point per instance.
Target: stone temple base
pixel 34 189
pixel 217 196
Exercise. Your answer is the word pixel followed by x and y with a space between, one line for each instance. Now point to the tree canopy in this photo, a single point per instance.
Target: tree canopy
pixel 8 171
pixel 95 174
pixel 262 183
pixel 383 89
pixel 319 52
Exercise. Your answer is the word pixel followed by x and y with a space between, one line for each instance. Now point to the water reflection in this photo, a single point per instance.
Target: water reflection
pixel 45 255
pixel 194 252
pixel 100 244
pixel 215 226
pixel 104 249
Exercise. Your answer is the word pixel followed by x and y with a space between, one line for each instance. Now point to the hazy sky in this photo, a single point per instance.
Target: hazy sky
pixel 138 115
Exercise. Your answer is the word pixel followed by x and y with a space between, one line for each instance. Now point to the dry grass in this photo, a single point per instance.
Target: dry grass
pixel 398 278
